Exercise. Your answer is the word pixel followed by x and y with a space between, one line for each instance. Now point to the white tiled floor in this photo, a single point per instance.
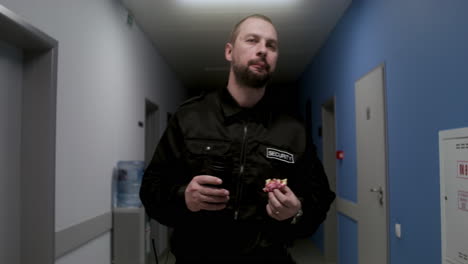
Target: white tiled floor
pixel 303 252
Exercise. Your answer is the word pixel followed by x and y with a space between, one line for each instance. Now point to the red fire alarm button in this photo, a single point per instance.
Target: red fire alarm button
pixel 339 154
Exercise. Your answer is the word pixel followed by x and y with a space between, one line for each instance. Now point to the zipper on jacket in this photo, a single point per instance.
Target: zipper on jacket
pixel 241 172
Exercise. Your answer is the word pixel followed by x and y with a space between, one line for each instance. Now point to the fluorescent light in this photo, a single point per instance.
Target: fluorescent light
pixel 236 2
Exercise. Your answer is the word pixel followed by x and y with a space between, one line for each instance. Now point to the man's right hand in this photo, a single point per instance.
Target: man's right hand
pixel 199 196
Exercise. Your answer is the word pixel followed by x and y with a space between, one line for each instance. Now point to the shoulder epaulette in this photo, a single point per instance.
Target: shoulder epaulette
pixel 193 99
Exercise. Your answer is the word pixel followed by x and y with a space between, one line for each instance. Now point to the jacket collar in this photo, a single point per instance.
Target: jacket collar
pixel 231 110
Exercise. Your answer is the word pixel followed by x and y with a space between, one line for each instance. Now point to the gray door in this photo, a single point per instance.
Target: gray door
pixel 329 164
pixel 151 129
pixel 372 168
pixel 10 136
pixel 159 233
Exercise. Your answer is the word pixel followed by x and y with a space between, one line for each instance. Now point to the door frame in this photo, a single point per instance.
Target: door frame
pixel 38 136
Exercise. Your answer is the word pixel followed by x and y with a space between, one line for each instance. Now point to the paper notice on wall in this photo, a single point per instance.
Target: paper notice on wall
pixel 463 200
pixel 462 169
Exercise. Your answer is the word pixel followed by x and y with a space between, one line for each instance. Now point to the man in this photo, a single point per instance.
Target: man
pixel 209 170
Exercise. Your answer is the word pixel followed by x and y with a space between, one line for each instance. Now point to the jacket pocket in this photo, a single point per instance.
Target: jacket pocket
pixel 210 157
pixel 207 147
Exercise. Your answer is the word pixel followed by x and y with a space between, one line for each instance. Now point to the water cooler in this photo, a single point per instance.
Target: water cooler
pixel 130 234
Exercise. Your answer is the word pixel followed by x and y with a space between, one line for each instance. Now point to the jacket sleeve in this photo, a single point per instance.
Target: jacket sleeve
pixel 163 184
pixel 314 192
pixel 312 188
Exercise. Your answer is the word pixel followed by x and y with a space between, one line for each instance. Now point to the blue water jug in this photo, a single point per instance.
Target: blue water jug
pixel 129 176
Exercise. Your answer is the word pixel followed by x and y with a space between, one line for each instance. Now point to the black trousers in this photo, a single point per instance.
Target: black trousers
pixel 263 256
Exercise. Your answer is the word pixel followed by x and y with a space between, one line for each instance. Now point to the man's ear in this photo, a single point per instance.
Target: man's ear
pixel 228 51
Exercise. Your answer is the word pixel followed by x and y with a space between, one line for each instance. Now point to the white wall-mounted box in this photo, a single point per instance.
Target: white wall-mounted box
pixel 453 153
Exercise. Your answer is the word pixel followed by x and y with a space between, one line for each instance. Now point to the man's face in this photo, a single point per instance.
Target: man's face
pixel 254 53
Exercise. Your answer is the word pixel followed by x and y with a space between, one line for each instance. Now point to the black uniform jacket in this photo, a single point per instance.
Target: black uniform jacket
pixel 251 145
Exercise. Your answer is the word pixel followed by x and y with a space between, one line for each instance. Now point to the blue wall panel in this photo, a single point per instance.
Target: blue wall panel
pixel 424 45
pixel 347 240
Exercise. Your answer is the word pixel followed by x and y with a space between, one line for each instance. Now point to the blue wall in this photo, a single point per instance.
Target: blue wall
pixel 424 45
pixel 347 240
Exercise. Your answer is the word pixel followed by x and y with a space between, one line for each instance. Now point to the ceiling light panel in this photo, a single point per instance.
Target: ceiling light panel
pixel 265 3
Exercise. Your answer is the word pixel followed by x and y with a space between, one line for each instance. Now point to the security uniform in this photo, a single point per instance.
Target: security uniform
pixel 250 145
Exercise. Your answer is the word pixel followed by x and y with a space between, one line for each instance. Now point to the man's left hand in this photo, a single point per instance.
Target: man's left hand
pixel 282 204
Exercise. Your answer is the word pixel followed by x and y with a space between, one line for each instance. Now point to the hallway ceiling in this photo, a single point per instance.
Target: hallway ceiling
pixel 191 37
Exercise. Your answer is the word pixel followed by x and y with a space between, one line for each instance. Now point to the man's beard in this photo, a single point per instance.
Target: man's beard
pixel 245 76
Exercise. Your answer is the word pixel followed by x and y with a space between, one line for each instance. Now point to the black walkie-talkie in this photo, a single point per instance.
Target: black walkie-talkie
pixel 220 167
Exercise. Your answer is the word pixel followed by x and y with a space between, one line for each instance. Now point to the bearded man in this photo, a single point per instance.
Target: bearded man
pixel 207 176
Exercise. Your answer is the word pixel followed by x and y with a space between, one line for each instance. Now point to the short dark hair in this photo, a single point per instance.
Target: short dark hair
pixel 235 30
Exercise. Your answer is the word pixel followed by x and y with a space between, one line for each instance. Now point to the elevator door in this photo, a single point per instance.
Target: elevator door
pixel 10 134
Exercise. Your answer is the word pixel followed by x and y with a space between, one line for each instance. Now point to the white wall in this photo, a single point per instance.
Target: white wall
pixel 95 252
pixel 106 69
pixel 10 131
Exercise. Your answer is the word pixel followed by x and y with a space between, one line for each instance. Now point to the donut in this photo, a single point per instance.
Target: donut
pixel 272 184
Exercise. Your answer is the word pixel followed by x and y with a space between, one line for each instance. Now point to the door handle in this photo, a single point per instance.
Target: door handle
pixel 380 192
